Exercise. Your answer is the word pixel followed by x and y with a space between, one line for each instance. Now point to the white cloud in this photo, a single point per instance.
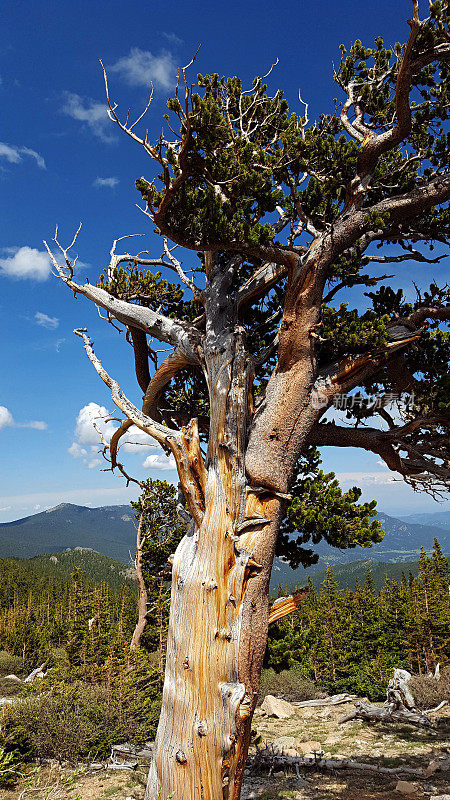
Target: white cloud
pixel 141 68
pixel 51 323
pixel 94 419
pixel 26 262
pixel 13 154
pixel 5 508
pixel 38 425
pixel 367 478
pixel 172 38
pixel 37 157
pixel 94 462
pixel 76 450
pixel 7 419
pixel 110 183
pixel 159 461
pixel 93 114
pixel 135 440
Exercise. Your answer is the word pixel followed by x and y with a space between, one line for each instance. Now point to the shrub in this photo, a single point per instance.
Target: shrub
pixel 9 688
pixel 64 726
pixel 429 692
pixel 10 664
pixel 289 684
pixel 9 761
pixel 69 721
pixel 361 683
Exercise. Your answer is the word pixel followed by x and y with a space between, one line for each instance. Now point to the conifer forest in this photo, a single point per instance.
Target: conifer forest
pixel 344 640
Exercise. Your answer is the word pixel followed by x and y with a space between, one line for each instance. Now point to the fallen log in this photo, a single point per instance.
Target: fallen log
pixel 335 700
pixel 393 712
pixel 436 708
pixel 266 758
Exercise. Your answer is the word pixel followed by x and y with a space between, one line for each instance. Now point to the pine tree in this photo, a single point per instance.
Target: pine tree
pixel 76 637
pixel 284 215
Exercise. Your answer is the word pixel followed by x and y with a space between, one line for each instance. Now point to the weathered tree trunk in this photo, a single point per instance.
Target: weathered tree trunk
pixel 143 594
pixel 216 642
pixel 220 586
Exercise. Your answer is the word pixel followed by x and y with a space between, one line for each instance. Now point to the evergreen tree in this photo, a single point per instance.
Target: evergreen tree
pixel 352 640
pixel 160 531
pixel 284 215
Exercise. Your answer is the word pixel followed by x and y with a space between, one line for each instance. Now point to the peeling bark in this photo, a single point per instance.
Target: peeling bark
pixel 220 581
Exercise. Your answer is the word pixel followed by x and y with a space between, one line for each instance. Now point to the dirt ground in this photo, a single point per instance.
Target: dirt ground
pixel 385 745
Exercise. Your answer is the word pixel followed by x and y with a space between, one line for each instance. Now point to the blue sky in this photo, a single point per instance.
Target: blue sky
pixel 62 161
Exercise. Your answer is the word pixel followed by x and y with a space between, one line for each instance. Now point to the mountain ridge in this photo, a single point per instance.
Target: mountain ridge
pixel 111 531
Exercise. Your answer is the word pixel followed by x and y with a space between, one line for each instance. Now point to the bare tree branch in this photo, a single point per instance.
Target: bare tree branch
pixel 175 332
pixel 260 282
pixel 198 295
pixel 117 259
pixel 420 472
pixel 159 432
pixel 184 443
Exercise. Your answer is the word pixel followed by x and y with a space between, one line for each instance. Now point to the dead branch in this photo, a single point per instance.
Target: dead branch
pixel 287 605
pixel 394 712
pixel 175 332
pixel 268 759
pixel 184 444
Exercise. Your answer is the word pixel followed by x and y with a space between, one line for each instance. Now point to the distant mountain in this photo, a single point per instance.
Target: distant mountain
pixel 402 542
pixel 441 519
pixel 48 573
pixel 111 531
pixel 347 575
pixel 97 567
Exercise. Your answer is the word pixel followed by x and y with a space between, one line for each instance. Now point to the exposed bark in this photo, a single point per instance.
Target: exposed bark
pixel 219 605
pixel 287 605
pixel 139 340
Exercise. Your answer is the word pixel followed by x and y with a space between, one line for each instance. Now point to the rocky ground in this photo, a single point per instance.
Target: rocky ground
pixel 388 745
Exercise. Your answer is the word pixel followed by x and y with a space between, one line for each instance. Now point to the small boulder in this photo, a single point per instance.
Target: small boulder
pixel 308 748
pixel 275 707
pixel 405 787
pixel 281 745
pixel 433 766
pixel 440 797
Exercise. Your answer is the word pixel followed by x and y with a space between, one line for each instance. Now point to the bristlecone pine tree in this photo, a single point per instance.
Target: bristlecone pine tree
pixel 281 215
